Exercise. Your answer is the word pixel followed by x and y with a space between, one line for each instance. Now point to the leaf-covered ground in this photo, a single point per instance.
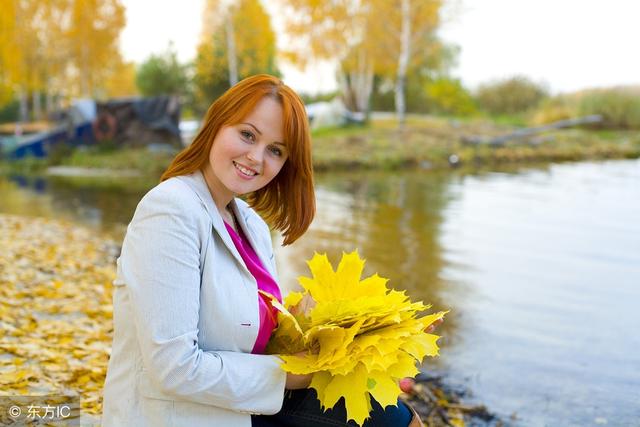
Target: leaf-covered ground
pixel 55 309
pixel 56 320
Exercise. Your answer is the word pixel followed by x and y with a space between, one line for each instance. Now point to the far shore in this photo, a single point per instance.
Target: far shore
pixel 425 142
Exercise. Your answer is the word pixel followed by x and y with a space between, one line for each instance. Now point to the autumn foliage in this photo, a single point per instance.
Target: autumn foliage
pixel 359 337
pixel 55 309
pixel 60 47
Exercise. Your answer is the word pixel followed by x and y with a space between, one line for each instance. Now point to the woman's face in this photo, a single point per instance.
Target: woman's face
pixel 246 156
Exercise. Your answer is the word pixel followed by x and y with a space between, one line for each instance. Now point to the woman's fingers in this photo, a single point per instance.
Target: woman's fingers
pixel 432 327
pixel 295 382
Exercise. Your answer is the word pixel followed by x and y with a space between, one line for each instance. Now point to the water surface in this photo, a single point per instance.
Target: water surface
pixel 540 269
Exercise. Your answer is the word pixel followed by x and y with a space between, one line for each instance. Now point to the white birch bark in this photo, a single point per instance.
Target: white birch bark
pixel 357 85
pixel 403 62
pixel 232 57
pixel 23 115
pixel 36 105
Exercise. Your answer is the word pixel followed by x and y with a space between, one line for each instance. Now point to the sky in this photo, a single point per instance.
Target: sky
pixel 566 44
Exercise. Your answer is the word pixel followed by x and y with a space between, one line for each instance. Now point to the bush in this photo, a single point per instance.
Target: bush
pixel 9 112
pixel 448 96
pixel 510 96
pixel 555 109
pixel 619 109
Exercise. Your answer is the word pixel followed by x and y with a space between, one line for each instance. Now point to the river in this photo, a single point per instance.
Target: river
pixel 540 268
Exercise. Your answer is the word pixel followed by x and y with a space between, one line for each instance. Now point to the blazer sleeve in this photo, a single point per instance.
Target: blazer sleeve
pixel 160 263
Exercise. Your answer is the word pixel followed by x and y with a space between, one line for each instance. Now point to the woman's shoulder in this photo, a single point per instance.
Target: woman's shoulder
pixel 172 191
pixel 174 197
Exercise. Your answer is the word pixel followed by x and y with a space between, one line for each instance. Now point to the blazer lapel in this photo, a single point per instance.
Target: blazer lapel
pixel 199 185
pixel 241 216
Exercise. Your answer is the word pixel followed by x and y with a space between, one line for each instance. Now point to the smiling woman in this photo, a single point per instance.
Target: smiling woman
pixel 258 124
pixel 190 327
pixel 196 276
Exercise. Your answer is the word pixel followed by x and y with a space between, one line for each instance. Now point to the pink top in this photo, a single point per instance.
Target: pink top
pixel 268 314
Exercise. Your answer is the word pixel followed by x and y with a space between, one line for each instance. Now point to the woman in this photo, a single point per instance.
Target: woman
pixel 189 323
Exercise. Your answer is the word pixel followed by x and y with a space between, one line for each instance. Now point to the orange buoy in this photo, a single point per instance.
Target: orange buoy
pixel 105 126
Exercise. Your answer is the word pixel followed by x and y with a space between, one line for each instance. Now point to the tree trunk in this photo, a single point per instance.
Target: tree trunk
pixel 356 86
pixel 49 101
pixel 23 116
pixel 363 83
pixel 36 105
pixel 232 57
pixel 403 62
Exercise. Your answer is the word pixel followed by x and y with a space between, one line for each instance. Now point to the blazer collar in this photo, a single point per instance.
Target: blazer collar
pixel 197 182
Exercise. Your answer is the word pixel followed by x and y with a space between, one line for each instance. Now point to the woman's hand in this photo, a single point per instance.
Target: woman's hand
pixel 295 382
pixel 304 306
pixel 432 327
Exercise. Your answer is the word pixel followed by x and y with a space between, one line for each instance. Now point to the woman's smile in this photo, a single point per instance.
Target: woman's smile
pixel 245 172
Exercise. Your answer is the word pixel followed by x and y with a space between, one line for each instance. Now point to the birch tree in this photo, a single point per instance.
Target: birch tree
pixel 58 47
pixel 366 38
pixel 93 41
pixel 236 41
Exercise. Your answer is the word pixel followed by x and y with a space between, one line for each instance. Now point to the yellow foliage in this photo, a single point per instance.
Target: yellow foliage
pixel 121 80
pixel 254 39
pixel 350 31
pixel 360 337
pixel 55 309
pixel 59 46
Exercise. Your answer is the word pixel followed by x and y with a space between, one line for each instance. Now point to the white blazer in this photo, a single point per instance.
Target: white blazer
pixel 185 312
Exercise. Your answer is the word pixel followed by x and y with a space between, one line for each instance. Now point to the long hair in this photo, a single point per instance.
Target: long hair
pixel 287 203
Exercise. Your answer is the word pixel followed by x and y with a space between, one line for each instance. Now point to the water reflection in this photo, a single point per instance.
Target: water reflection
pixel 392 220
pixel 106 204
pixel 540 270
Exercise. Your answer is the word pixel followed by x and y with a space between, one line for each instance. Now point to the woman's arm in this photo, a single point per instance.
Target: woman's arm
pixel 161 267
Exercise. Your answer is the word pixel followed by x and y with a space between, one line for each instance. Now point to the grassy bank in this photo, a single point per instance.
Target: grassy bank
pixel 430 143
pixel 425 142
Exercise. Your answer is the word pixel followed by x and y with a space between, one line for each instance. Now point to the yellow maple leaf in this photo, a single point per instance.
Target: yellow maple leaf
pixel 360 337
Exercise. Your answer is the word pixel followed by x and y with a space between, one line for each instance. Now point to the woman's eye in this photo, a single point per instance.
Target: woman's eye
pixel 247 135
pixel 276 151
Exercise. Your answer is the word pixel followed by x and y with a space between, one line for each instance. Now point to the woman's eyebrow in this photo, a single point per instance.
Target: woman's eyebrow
pixel 260 133
pixel 250 124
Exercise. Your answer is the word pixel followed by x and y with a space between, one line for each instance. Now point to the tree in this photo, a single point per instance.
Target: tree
pixel 349 31
pixel 244 28
pixel 20 48
pixel 162 75
pixel 121 80
pixel 58 47
pixel 93 42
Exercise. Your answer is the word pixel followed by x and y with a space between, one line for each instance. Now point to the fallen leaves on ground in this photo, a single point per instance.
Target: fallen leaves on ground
pixel 55 309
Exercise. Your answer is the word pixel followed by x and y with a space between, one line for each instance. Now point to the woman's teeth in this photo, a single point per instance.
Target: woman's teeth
pixel 245 171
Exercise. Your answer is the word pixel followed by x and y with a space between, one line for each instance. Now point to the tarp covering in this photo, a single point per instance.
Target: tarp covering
pixel 139 121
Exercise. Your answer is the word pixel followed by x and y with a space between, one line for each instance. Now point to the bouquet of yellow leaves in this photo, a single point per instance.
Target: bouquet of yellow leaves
pixel 360 337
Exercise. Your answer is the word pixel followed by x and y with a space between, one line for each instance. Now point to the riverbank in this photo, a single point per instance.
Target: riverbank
pixel 57 313
pixel 56 310
pixel 425 143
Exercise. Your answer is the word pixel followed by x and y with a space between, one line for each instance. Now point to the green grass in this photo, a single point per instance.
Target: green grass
pixel 424 142
pixel 138 159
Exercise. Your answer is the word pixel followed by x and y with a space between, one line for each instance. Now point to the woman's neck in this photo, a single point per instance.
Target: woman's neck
pixel 220 195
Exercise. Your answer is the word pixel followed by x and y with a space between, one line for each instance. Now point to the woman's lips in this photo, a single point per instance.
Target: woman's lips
pixel 244 171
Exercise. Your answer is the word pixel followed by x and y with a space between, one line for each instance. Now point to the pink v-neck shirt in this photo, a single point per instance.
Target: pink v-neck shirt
pixel 268 314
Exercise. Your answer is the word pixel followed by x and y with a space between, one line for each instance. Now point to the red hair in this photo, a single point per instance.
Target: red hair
pixel 287 203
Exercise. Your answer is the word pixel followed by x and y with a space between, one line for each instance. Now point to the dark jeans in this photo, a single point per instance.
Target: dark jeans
pixel 301 408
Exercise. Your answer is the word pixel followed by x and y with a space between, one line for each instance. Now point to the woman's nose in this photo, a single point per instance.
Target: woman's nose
pixel 256 154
